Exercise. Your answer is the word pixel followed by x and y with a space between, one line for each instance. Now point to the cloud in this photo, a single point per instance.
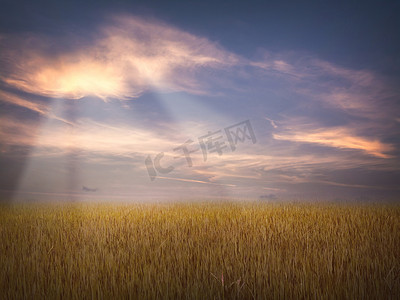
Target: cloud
pixel 309 102
pixel 333 106
pixel 40 108
pixel 115 140
pixel 128 56
pixel 355 92
pixel 13 132
pixel 339 137
pixel 272 122
pixel 194 181
pixel 29 104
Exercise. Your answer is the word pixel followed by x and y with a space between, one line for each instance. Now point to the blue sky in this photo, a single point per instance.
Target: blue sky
pixel 91 91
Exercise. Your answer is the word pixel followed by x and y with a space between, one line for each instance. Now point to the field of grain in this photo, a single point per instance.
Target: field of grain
pixel 200 251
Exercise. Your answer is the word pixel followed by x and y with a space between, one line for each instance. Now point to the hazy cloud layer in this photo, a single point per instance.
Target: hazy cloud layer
pixel 316 123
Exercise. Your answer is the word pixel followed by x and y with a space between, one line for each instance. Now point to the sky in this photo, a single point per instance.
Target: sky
pixel 195 100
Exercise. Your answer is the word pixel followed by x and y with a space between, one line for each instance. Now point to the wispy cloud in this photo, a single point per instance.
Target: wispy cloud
pixel 194 181
pixel 29 104
pixel 361 93
pixel 128 56
pixel 272 122
pixel 40 108
pixel 339 138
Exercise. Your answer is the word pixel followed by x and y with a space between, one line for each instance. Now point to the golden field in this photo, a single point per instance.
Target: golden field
pixel 200 251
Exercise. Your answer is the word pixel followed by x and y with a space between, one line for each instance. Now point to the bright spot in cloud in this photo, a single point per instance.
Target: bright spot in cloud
pixel 129 56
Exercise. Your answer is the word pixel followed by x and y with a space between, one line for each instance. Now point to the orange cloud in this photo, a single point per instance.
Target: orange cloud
pixel 42 109
pixel 129 56
pixel 338 138
pixel 18 101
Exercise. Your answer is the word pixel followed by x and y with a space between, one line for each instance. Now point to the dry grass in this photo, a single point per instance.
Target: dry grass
pixel 200 251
